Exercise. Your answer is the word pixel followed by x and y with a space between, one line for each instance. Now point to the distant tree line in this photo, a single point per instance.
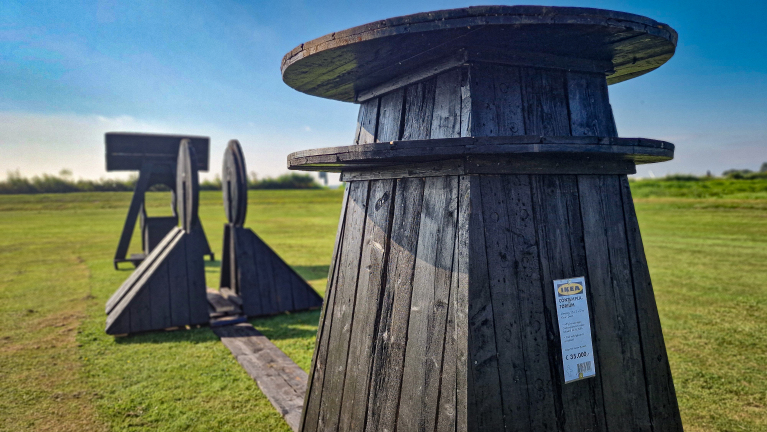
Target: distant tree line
pixel 15 183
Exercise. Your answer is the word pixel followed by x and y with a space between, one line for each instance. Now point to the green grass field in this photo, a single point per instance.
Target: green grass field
pixel 60 372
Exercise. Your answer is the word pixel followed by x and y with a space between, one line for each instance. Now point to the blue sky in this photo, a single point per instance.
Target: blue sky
pixel 70 71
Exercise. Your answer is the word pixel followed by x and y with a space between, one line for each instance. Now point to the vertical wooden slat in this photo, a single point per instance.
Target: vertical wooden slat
pixel 369 289
pixel 160 289
pixel 141 310
pixel 590 111
pixel 343 308
pixel 227 277
pixel 179 287
pixel 619 359
pixel 251 290
pixel 195 267
pixel 485 399
pixel 419 108
pixel 282 274
pixel 544 102
pixel 270 302
pixel 446 118
pixel 446 408
pixel 496 97
pixel 428 309
pixel 389 354
pixel 462 306
pixel 315 380
pixel 663 405
pixel 390 116
pixel 562 255
pixel 502 268
pixel 367 122
pixel 530 300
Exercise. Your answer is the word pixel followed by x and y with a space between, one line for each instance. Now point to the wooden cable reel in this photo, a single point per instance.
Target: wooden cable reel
pixel 188 186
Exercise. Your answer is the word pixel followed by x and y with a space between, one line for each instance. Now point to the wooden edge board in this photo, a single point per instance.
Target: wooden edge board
pixel 278 377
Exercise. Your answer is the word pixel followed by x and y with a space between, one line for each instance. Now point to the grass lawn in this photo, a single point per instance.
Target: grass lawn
pixel 60 372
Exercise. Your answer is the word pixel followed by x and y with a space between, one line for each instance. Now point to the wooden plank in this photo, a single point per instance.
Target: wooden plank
pixel 343 308
pixel 429 305
pixel 419 108
pixel 180 313
pixel 159 286
pixel 530 300
pixel 310 412
pixel 228 277
pixel 282 275
pixel 619 357
pixel 446 115
pixel 389 353
pixel 663 405
pixel 446 405
pixel 502 267
pixel 462 375
pixel 266 286
pixel 390 116
pixel 141 309
pixel 559 232
pixel 195 276
pixel 247 273
pixel 367 122
pixel 221 304
pixel 137 200
pixel 590 111
pixel 278 377
pixel 127 151
pixel 485 404
pixel 544 102
pixel 369 289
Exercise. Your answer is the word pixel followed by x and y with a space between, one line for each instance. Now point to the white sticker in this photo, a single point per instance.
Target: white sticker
pixel 574 329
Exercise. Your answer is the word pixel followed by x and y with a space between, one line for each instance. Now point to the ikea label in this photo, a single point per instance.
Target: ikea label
pixel 574 329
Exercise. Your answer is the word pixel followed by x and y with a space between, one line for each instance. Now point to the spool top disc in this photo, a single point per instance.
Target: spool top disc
pixel 234 184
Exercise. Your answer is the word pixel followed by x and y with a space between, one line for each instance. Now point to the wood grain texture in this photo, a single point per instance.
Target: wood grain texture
pixel 390 116
pixel 419 109
pixel 343 308
pixel 545 102
pixel 619 355
pixel 367 122
pixel 391 340
pixel 370 287
pixel 663 405
pixel 429 306
pixel 590 111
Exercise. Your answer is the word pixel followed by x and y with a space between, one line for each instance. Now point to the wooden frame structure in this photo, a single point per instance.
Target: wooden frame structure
pixel 485 166
pixel 249 267
pixel 154 157
pixel 167 289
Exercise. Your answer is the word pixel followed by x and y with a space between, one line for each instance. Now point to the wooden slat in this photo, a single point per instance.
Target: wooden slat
pixel 446 118
pixel 503 265
pixel 663 405
pixel 247 273
pixel 278 377
pixel 485 404
pixel 619 358
pixel 195 276
pixel 544 102
pixel 266 287
pixel 343 308
pixel 228 276
pixel 590 111
pixel 367 122
pixel 429 305
pixel 159 286
pixel 446 405
pixel 310 412
pixel 419 108
pixel 141 310
pixel 282 275
pixel 390 116
pixel 389 354
pixel 531 300
pixel 369 289
pixel 461 304
pixel 560 239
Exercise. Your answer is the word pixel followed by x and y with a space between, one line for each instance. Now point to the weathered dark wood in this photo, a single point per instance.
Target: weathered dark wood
pixel 159 286
pixel 619 354
pixel 562 255
pixel 234 184
pixel 346 286
pixel 134 209
pixel 661 395
pixel 180 299
pixel 342 64
pixel 391 338
pixel 366 123
pixel 127 151
pixel 463 372
pixel 390 116
pixel 187 186
pixel 545 102
pixel 532 148
pixel 278 377
pixel 369 289
pixel 419 108
pixel 446 118
pixel 590 111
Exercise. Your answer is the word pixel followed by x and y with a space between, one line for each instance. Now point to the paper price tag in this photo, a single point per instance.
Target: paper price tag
pixel 574 329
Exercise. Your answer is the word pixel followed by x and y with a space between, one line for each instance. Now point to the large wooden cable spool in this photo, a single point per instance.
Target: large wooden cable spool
pixel 187 186
pixel 234 184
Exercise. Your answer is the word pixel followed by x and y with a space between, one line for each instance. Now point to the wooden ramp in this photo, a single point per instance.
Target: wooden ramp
pixel 278 377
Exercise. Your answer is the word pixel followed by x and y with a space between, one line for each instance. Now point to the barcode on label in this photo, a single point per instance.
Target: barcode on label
pixel 584 367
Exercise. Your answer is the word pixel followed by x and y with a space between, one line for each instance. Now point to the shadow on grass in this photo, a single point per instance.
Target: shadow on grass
pixel 212 264
pixel 312 272
pixel 283 326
